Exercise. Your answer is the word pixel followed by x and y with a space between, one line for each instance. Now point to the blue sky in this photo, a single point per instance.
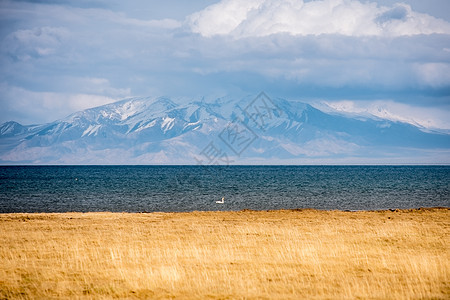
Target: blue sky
pixel 382 57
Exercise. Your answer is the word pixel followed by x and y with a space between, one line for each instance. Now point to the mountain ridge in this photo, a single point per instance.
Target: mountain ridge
pixel 157 130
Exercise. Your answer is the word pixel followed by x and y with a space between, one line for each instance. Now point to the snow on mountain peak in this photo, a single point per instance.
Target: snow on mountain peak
pixel 11 128
pixel 141 129
pixel 424 117
pixel 167 124
pixel 91 130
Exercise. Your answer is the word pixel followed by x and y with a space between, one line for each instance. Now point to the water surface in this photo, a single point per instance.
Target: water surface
pixel 188 188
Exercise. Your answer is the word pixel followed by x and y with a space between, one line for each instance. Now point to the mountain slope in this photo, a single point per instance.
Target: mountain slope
pixel 227 130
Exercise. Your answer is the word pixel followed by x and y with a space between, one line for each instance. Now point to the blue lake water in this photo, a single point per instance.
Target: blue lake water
pixel 189 188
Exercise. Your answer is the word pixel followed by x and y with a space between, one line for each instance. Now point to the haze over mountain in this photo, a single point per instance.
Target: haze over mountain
pixel 251 130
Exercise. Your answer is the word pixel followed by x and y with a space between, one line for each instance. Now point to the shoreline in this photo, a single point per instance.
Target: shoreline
pixel 419 209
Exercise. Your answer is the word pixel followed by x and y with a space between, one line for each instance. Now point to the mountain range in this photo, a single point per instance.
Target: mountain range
pixel 250 130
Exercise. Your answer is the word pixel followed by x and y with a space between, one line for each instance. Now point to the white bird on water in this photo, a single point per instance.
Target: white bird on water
pixel 222 201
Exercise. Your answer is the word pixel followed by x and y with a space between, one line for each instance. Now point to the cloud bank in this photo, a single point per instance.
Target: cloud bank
pixel 296 17
pixel 61 56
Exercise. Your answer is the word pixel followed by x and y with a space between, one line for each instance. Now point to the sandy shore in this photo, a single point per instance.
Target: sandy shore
pixel 287 254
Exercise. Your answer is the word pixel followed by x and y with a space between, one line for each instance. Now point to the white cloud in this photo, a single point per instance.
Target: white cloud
pixel 296 17
pixel 370 65
pixel 435 75
pixel 222 17
pixel 79 52
pixel 98 86
pixel 164 23
pixel 22 105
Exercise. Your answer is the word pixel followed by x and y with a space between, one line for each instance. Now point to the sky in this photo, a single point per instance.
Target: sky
pixel 385 57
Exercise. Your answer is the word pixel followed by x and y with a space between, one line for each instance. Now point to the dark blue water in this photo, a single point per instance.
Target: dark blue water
pixel 188 188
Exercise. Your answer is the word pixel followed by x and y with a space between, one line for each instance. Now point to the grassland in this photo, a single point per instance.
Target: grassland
pixel 302 254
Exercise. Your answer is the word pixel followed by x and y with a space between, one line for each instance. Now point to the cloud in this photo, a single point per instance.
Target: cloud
pixel 36 42
pixel 433 74
pixel 296 17
pixel 98 86
pixel 399 12
pixel 324 65
pixel 164 23
pixel 22 105
pixel 56 52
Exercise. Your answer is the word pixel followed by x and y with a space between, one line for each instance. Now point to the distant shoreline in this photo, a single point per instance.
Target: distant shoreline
pixel 235 165
pixel 403 210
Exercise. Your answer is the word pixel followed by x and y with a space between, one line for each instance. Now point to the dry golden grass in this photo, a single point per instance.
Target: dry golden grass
pixel 227 255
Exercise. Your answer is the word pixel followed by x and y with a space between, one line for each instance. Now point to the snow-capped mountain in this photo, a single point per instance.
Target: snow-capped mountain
pixel 250 130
